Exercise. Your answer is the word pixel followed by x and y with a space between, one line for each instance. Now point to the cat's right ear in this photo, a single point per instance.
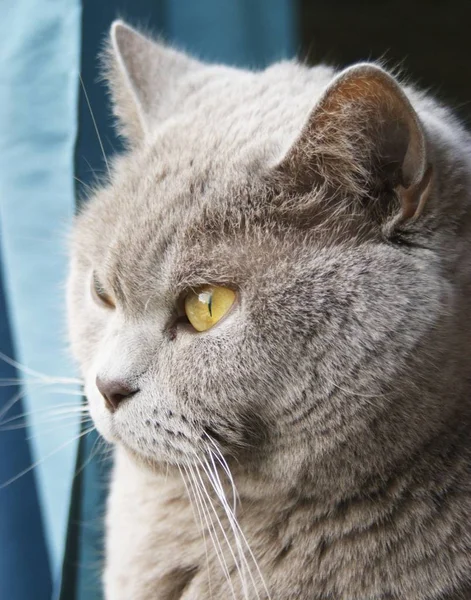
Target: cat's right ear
pixel 141 75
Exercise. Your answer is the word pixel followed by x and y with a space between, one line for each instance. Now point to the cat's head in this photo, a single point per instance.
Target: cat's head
pixel 274 268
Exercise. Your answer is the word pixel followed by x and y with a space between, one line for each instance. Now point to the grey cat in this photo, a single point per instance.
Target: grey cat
pixel 270 303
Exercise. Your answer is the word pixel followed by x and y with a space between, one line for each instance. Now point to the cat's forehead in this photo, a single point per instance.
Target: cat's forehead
pixel 225 117
pixel 160 221
pixel 225 128
pixel 196 163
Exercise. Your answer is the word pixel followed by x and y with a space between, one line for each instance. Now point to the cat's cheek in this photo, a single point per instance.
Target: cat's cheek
pixel 99 413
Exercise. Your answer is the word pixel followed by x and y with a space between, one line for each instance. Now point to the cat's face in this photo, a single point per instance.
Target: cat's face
pixel 318 326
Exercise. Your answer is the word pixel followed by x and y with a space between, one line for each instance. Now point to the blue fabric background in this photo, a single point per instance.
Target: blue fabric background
pixel 22 541
pixel 39 50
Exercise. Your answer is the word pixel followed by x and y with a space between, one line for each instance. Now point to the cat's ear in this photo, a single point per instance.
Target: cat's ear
pixel 361 138
pixel 141 76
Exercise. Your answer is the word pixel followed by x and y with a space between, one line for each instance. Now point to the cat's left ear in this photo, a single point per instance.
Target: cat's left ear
pixel 142 77
pixel 363 138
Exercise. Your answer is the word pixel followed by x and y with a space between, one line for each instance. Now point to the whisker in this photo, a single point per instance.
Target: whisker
pixel 53 410
pixel 21 395
pixel 233 519
pixel 95 449
pixel 222 461
pixel 223 531
pixel 39 382
pixel 95 126
pixel 57 427
pixel 13 400
pixel 356 394
pixel 12 381
pixel 34 465
pixel 198 487
pixel 88 186
pixel 20 367
pixel 60 419
pixel 217 487
pixel 200 520
pixel 37 374
pixel 65 392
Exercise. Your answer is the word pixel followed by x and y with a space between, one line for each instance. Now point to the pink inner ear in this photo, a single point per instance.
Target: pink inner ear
pixel 414 198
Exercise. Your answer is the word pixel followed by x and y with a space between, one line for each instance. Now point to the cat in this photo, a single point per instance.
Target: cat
pixel 270 304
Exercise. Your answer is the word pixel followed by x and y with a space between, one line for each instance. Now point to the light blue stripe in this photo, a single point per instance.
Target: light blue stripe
pixel 39 49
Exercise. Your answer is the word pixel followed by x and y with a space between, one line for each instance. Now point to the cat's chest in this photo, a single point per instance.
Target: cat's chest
pixel 151 535
pixel 161 546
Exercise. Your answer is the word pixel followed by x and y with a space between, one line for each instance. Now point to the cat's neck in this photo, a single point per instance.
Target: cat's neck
pixel 371 534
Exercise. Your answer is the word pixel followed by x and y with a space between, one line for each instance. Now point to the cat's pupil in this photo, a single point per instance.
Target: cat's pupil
pixel 210 302
pixel 207 298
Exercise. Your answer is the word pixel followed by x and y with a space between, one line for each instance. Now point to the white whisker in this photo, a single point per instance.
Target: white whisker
pixel 236 524
pixel 89 187
pixel 58 425
pixel 65 392
pixel 21 367
pixel 218 488
pixel 222 461
pixel 95 126
pixel 199 489
pixel 199 520
pixel 237 531
pixel 95 449
pixel 60 420
pixel 13 400
pixel 17 381
pixel 37 374
pixel 219 522
pixel 58 409
pixel 34 465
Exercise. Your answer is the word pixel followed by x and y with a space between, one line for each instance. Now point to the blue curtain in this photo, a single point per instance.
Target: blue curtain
pixel 22 539
pixel 39 50
pixel 51 517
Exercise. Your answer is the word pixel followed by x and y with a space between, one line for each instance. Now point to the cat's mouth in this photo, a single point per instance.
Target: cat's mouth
pixel 156 429
pixel 152 435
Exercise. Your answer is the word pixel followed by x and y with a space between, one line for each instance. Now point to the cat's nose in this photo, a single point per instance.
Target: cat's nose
pixel 114 391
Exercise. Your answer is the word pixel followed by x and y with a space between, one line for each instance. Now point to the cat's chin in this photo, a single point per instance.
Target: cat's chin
pixel 138 463
pixel 153 465
pixel 151 456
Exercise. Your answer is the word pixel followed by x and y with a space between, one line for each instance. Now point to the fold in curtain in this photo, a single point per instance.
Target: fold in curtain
pixel 39 52
pixel 51 517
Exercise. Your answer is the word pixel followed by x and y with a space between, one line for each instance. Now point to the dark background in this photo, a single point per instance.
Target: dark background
pixel 430 40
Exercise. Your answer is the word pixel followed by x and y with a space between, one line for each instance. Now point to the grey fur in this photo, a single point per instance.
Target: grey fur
pixel 338 388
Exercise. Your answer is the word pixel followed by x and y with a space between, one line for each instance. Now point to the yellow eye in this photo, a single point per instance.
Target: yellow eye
pixel 99 294
pixel 206 305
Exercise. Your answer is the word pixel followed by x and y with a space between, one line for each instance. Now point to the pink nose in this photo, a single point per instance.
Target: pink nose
pixel 114 392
